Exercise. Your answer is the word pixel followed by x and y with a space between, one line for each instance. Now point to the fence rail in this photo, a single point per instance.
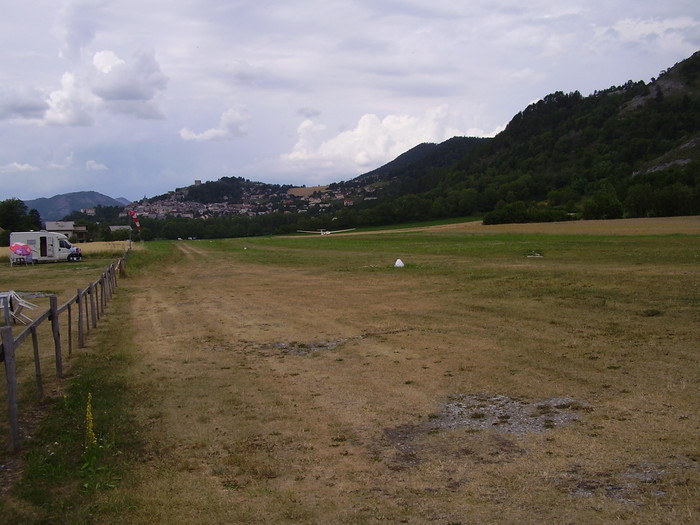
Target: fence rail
pixel 91 304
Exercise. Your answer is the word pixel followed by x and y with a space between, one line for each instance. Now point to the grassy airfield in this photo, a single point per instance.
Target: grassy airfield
pixel 520 374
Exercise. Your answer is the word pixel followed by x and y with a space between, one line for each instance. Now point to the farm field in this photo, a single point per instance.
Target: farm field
pixel 511 374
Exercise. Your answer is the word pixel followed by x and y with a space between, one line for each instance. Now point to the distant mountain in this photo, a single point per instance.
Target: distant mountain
pixel 406 173
pixel 56 207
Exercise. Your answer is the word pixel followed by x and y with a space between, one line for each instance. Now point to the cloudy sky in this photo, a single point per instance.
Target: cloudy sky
pixel 138 97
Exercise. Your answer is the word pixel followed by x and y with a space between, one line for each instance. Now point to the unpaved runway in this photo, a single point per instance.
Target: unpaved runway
pixel 280 394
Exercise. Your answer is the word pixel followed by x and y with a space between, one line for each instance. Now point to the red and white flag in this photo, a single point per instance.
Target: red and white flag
pixel 135 217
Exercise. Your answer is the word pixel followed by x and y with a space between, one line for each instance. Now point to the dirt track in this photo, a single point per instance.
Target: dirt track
pixel 248 389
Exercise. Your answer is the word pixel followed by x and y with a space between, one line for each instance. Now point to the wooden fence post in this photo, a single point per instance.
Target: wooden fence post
pixel 37 363
pixel 96 290
pixel 100 297
pixel 70 330
pixel 93 311
pixel 114 277
pixel 81 334
pixel 8 346
pixel 6 309
pixel 108 285
pixel 103 285
pixel 86 299
pixel 56 335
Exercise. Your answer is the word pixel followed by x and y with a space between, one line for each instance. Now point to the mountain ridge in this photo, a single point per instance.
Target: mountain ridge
pixel 59 206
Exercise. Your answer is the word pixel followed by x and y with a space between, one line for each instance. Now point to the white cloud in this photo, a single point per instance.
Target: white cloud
pixel 17 167
pixel 372 142
pixel 104 61
pixel 72 105
pixel 92 165
pixel 233 124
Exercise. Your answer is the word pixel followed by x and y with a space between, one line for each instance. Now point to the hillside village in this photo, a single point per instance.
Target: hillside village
pixel 260 199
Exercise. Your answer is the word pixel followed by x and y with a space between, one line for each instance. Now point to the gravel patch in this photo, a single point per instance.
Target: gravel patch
pixel 479 411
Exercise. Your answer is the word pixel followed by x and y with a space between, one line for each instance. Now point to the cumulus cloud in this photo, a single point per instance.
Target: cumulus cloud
pixel 72 105
pixel 99 81
pixel 113 85
pixel 104 61
pixel 93 165
pixel 129 87
pixel 372 142
pixel 233 124
pixel 17 167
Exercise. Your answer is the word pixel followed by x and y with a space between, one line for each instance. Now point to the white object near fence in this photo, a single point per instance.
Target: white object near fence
pixel 11 304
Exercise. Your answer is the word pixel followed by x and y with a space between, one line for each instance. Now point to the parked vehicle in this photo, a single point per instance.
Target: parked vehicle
pixel 47 246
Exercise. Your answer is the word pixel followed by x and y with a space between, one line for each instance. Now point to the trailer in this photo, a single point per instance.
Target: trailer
pixel 47 246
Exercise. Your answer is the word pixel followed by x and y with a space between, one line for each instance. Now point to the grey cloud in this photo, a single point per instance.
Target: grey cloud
pixel 368 45
pixel 141 79
pixel 413 9
pixel 21 105
pixel 243 74
pixel 137 108
pixel 76 26
pixel 308 113
pixel 131 87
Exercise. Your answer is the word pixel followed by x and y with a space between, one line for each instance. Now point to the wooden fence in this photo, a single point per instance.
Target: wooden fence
pixel 90 304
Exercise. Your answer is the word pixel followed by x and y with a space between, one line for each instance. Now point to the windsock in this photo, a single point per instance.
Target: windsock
pixel 135 217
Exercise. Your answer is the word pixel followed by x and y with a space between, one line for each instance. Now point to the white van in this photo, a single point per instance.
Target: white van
pixel 47 246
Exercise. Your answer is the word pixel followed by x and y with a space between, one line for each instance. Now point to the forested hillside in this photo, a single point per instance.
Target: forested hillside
pixel 630 150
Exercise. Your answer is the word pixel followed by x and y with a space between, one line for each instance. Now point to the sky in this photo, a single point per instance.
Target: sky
pixel 136 98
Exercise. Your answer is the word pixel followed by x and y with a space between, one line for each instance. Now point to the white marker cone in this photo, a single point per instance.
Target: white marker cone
pixel 398 263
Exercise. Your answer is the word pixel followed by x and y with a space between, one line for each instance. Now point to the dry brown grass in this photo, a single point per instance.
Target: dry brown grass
pixel 274 390
pixel 116 248
pixel 649 226
pixel 305 192
pixel 109 247
pixel 292 394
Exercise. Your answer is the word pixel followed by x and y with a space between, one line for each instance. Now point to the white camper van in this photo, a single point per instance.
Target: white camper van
pixel 47 246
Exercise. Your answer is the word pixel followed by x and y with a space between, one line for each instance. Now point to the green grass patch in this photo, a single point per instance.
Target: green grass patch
pixel 76 454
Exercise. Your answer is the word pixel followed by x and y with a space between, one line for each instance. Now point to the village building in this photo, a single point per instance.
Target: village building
pixel 79 232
